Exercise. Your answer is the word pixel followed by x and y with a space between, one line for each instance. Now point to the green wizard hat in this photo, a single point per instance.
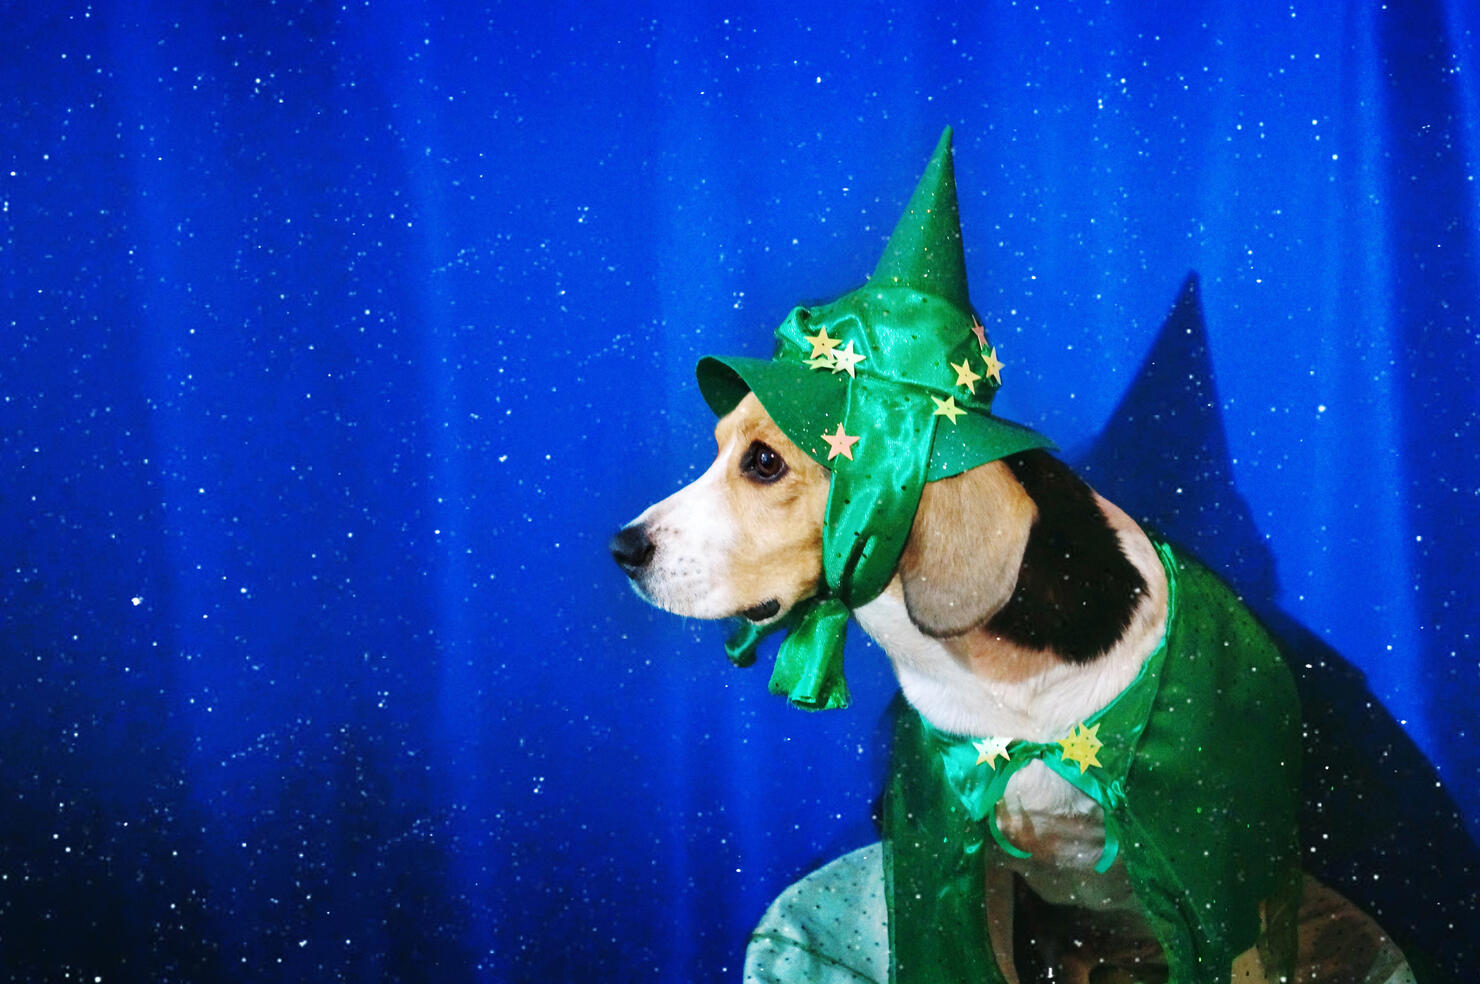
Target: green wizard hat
pixel 889 387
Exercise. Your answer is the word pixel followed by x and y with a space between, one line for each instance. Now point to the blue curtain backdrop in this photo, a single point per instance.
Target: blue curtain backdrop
pixel 336 339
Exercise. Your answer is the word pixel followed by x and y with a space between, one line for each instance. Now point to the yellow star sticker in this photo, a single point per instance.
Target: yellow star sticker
pixel 965 376
pixel 827 360
pixel 839 444
pixel 844 359
pixel 946 408
pixel 822 343
pixel 1082 746
pixel 988 749
pixel 994 367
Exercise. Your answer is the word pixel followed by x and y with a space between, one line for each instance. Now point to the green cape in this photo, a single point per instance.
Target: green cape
pixel 1198 771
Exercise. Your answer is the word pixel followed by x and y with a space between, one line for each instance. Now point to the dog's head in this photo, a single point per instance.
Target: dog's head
pixel 942 502
pixel 745 538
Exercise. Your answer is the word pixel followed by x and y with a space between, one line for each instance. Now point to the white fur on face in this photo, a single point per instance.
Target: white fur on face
pixel 693 534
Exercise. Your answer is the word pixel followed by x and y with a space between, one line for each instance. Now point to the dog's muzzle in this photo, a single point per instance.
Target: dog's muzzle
pixel 632 549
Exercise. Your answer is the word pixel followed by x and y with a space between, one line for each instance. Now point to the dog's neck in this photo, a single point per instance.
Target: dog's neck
pixel 1047 659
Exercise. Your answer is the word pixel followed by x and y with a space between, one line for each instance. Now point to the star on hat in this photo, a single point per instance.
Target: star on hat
pixel 965 375
pixel 823 343
pixel 946 408
pixel 994 367
pixel 845 359
pixel 840 444
pixel 979 331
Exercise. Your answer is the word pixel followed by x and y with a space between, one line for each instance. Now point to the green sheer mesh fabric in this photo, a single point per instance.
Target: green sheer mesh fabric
pixel 1198 780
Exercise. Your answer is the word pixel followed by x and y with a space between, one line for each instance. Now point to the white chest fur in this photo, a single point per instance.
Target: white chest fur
pixel 986 687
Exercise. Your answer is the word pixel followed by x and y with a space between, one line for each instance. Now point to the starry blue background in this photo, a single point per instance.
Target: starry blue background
pixel 337 338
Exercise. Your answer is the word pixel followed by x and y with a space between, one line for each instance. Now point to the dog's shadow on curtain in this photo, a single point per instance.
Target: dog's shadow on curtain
pixel 1376 822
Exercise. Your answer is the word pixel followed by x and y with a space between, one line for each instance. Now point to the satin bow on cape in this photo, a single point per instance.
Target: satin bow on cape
pixel 981 784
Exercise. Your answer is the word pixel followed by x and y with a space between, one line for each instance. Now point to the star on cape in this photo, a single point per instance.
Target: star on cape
pixel 840 444
pixel 994 367
pixel 946 408
pixel 988 749
pixel 1081 747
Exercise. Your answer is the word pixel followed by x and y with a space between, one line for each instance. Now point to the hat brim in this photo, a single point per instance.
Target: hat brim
pixel 807 403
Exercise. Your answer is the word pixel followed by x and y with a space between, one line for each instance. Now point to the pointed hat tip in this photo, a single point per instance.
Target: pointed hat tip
pixel 925 251
pixel 944 152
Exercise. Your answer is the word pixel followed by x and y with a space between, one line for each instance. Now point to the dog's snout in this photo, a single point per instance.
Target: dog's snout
pixel 632 548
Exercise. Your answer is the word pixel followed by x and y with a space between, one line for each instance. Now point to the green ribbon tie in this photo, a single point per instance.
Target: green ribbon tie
pixel 809 664
pixel 980 786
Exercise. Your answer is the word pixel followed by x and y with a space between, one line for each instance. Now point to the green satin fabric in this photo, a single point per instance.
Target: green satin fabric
pixel 872 499
pixel 914 349
pixel 925 251
pixel 809 663
pixel 871 506
pixel 1199 778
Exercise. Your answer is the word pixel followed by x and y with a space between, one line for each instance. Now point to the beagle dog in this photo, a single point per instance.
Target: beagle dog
pixel 1031 622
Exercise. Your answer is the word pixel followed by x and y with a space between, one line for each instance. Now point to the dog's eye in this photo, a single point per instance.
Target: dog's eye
pixel 762 463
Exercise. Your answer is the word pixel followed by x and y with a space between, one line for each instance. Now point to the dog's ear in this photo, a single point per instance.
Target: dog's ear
pixel 961 562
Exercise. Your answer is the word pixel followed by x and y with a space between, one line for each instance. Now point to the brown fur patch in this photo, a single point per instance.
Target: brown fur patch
pixel 778 550
pixel 961 562
pixel 961 565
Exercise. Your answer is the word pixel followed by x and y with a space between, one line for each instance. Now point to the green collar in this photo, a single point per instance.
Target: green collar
pixel 1095 757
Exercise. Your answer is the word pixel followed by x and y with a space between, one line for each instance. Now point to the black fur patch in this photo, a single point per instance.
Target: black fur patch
pixel 1076 591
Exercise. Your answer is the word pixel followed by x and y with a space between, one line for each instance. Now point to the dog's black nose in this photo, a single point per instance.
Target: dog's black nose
pixel 632 548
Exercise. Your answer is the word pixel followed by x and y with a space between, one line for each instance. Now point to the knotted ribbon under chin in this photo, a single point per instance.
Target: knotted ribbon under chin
pixel 980 785
pixel 809 664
